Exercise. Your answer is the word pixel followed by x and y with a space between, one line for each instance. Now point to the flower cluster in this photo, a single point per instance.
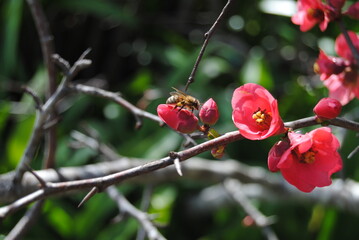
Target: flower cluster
pixel 340 74
pixel 184 120
pixel 181 118
pixel 306 161
pixel 312 12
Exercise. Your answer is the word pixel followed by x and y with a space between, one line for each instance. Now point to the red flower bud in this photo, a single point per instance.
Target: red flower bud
pixel 327 108
pixel 209 112
pixel 218 152
pixel 182 120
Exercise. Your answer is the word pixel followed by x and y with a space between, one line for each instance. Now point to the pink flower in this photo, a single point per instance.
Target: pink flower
pixel 310 13
pixel 327 108
pixel 342 48
pixel 326 66
pixel 340 75
pixel 209 112
pixel 182 120
pixel 310 159
pixel 255 112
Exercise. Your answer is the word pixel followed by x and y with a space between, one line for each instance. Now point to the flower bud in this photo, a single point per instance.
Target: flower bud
pixel 182 120
pixel 218 152
pixel 209 112
pixel 327 108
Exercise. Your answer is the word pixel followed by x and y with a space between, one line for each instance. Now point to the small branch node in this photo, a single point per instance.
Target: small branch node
pixel 41 181
pixel 32 93
pixel 61 63
pixel 173 155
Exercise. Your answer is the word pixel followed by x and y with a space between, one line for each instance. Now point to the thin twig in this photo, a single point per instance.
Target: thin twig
pixel 25 222
pixel 344 31
pixel 41 181
pixel 43 116
pixel 143 218
pixel 356 150
pixel 93 91
pixel 207 37
pixel 32 93
pixel 145 204
pixel 47 48
pixel 233 187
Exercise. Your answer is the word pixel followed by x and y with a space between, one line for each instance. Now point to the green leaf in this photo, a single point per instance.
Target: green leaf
pixel 12 13
pixel 19 139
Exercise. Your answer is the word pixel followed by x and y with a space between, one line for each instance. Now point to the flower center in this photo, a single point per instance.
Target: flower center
pixel 308 157
pixel 262 118
pixel 317 14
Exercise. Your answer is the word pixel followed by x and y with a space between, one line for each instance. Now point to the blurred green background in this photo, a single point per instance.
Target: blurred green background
pixel 142 49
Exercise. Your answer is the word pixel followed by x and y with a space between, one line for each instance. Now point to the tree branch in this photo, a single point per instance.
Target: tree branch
pixel 47 48
pixel 44 115
pixel 97 92
pixel 143 218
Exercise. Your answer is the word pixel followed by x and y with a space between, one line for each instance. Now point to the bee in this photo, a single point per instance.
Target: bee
pixel 183 100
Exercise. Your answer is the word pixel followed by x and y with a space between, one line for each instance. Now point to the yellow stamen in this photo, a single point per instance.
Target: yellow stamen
pixel 308 157
pixel 262 118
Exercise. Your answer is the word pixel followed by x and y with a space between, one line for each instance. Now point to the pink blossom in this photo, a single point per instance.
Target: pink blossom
pixel 255 112
pixel 309 161
pixel 340 74
pixel 310 13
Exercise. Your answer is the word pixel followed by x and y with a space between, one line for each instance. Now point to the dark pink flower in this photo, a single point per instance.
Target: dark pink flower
pixel 310 160
pixel 353 11
pixel 310 13
pixel 209 112
pixel 326 66
pixel 340 74
pixel 255 112
pixel 327 108
pixel 182 120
